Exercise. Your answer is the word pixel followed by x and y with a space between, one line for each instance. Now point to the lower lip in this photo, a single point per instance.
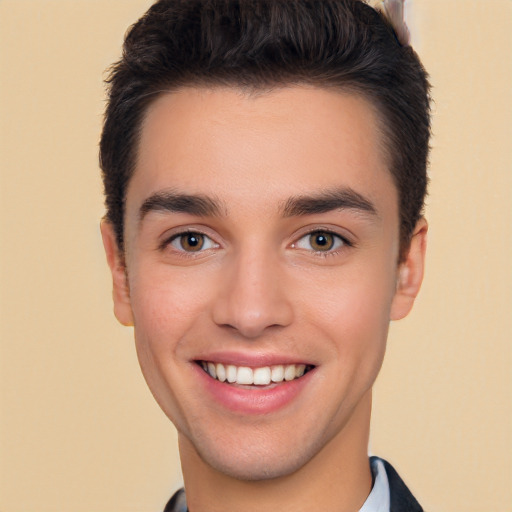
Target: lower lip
pixel 253 400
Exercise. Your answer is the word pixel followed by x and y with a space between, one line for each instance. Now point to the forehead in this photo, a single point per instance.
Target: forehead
pixel 260 148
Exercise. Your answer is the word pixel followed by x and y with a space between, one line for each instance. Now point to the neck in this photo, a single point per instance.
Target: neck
pixel 337 479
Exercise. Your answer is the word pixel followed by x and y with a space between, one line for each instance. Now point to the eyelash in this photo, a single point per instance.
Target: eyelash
pixel 345 243
pixel 177 236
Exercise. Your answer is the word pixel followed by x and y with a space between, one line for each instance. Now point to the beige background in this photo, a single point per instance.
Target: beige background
pixel 78 429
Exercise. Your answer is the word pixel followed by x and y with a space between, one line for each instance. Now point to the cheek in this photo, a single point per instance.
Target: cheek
pixel 166 304
pixel 361 295
pixel 164 298
pixel 352 309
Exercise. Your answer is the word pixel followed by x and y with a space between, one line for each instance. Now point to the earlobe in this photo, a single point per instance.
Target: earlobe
pixel 115 260
pixel 410 273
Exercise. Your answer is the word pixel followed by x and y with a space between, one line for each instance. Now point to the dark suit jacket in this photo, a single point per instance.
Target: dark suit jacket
pixel 401 499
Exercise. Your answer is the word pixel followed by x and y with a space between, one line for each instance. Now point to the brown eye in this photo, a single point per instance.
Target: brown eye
pixel 191 242
pixel 321 241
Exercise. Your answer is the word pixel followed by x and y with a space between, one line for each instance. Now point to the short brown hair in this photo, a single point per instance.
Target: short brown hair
pixel 260 44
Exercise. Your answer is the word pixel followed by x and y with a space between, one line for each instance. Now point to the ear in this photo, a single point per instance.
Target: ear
pixel 410 273
pixel 116 262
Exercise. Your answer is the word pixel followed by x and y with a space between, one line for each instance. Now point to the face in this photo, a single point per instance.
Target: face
pixel 261 252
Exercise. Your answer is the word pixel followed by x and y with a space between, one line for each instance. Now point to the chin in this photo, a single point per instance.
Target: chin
pixel 257 469
pixel 257 462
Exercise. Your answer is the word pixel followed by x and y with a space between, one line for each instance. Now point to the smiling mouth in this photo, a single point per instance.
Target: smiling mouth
pixel 262 376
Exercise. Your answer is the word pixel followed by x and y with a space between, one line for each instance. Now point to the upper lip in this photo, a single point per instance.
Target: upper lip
pixel 254 360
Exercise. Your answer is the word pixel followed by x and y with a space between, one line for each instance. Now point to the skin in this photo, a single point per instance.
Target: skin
pixel 260 287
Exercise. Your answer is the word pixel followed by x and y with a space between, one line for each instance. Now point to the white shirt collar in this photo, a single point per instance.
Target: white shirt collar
pixel 378 500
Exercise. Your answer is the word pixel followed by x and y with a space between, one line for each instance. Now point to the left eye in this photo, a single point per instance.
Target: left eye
pixel 320 241
pixel 192 242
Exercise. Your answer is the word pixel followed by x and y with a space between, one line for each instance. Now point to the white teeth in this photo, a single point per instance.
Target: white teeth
pixel 253 376
pixel 289 372
pixel 244 375
pixel 262 376
pixel 278 373
pixel 231 373
pixel 221 372
pixel 211 370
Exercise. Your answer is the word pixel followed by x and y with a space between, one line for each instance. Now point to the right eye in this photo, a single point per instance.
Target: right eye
pixel 192 241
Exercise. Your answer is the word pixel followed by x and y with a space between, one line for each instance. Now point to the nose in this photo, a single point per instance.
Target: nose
pixel 253 296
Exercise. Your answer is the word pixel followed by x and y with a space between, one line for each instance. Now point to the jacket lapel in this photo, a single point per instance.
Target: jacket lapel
pixel 401 499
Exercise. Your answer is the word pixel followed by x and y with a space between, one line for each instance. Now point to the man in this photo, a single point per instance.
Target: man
pixel 264 165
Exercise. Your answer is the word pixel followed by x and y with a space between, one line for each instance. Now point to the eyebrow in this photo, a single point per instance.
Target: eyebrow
pixel 204 206
pixel 338 199
pixel 174 202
